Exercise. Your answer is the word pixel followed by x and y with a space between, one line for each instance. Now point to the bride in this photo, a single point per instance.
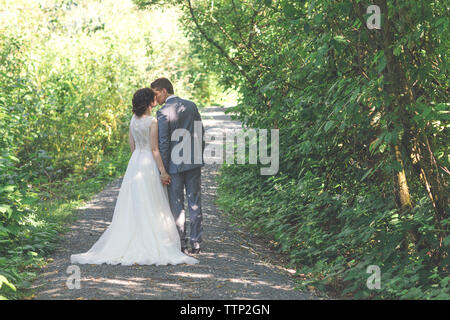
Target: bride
pixel 142 230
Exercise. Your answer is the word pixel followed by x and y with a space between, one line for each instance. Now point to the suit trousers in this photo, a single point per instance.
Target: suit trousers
pixel 191 181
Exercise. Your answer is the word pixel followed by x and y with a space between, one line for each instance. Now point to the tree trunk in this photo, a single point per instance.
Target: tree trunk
pixel 396 81
pixel 417 142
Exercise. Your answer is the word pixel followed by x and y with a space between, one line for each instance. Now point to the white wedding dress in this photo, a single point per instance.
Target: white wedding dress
pixel 142 230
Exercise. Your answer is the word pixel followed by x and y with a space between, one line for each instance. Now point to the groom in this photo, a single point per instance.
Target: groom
pixel 177 113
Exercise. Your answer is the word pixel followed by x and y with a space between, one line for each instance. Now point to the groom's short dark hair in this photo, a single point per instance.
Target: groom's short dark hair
pixel 161 83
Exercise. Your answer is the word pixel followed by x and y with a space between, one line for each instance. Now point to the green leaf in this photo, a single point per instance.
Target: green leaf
pixel 307 28
pixel 4 208
pixel 7 189
pixel 442 296
pixel 426 112
pixel 13 158
pixel 447 241
pixel 397 51
pixel 381 64
pixel 328 125
pixel 289 10
pixel 396 166
pixel 377 142
pixel 5 281
pixel 367 174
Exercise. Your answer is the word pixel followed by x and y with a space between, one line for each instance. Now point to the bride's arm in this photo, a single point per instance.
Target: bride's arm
pixel 131 140
pixel 155 148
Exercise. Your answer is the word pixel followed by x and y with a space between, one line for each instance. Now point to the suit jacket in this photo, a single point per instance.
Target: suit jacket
pixel 176 114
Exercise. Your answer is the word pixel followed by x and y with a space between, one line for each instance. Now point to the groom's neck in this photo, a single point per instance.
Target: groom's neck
pixel 169 96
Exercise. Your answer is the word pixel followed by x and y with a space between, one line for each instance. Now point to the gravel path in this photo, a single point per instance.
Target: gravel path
pixel 233 264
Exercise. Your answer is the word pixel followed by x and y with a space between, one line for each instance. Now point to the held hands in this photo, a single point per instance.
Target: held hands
pixel 165 178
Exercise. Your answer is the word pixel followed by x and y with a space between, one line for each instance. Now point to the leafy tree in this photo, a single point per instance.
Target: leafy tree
pixel 362 115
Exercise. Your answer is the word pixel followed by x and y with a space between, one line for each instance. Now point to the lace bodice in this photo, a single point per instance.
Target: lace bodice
pixel 140 129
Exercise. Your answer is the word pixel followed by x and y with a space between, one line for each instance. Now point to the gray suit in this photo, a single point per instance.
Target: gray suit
pixel 176 114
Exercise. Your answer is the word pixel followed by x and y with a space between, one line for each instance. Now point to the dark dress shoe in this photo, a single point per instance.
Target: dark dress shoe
pixel 195 251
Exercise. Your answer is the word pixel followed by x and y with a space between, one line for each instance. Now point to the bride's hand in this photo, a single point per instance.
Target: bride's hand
pixel 165 178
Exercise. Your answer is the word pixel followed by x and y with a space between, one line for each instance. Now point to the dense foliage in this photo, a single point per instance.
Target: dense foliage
pixel 363 119
pixel 67 74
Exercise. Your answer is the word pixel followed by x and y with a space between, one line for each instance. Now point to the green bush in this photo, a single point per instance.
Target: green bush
pixel 68 71
pixel 52 129
pixel 363 120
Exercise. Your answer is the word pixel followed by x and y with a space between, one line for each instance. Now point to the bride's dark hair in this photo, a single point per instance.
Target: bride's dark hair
pixel 141 100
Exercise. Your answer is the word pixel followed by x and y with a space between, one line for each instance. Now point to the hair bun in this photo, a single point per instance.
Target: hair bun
pixel 141 100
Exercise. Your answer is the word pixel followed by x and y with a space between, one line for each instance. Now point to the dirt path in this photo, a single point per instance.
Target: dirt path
pixel 232 265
